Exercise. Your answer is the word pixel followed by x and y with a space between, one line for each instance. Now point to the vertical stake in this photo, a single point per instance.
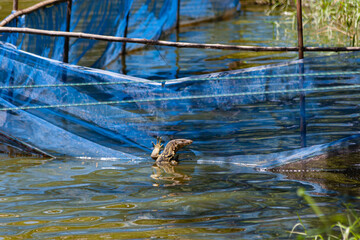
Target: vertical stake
pixel 178 16
pixel 123 49
pixel 177 40
pixel 67 39
pixel 15 5
pixel 16 8
pixel 300 29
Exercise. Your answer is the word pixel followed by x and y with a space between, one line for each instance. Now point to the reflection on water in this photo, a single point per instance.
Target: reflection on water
pixel 249 28
pixel 170 173
pixel 73 199
pixel 159 62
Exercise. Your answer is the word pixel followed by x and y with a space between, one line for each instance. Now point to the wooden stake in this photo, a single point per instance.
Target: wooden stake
pixel 67 38
pixel 178 15
pixel 15 5
pixel 300 29
pixel 123 49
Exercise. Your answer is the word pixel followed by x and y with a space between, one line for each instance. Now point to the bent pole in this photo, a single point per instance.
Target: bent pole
pixel 170 43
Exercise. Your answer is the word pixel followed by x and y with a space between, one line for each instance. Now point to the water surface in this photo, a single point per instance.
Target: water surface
pixel 73 199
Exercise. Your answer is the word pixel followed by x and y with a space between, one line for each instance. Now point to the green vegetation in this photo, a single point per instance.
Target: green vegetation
pixel 337 20
pixel 342 226
pixel 6 6
pixel 342 16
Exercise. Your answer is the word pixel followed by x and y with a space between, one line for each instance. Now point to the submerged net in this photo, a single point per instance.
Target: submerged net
pixel 251 117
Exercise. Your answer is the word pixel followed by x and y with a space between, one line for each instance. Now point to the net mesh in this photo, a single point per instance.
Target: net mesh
pixel 143 19
pixel 247 116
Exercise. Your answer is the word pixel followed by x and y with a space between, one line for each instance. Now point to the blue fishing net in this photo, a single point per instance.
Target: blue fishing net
pixel 147 19
pixel 250 117
pixel 46 19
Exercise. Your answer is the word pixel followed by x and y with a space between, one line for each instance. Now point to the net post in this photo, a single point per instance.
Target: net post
pixel 15 5
pixel 178 15
pixel 123 49
pixel 67 39
pixel 300 29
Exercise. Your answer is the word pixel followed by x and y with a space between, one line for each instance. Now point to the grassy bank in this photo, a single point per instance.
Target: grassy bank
pixel 341 16
pixel 6 6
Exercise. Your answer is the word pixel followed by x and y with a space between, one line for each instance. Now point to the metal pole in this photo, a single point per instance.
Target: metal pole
pixel 170 43
pixel 178 16
pixel 67 39
pixel 123 50
pixel 300 29
pixel 15 5
pixel 177 40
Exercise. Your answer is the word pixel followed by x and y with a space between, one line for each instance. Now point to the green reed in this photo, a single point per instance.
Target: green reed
pixel 345 226
pixel 342 16
pixel 333 21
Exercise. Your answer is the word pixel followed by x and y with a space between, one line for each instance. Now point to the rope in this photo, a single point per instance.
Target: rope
pixel 349 87
pixel 180 80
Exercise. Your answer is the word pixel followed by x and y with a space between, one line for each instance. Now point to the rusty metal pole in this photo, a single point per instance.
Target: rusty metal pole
pixel 67 39
pixel 178 16
pixel 177 53
pixel 123 49
pixel 15 9
pixel 300 29
pixel 15 5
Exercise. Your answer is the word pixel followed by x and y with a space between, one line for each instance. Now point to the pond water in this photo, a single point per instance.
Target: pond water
pixel 68 198
pixel 74 199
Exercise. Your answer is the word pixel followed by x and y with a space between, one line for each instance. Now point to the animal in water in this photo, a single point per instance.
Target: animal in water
pixel 169 154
